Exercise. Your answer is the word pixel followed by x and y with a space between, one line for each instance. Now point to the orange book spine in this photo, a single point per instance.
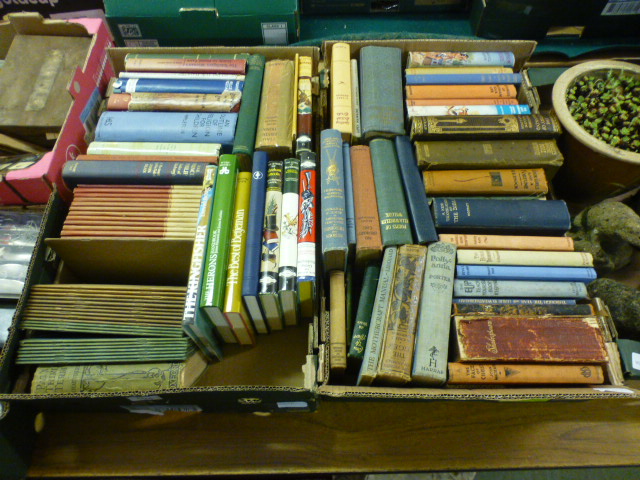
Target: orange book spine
pixel 509 242
pixel 460 91
pixel 517 181
pixel 523 374
pixel 427 102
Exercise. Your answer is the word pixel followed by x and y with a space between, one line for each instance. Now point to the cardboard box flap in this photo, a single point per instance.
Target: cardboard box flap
pixel 31 23
pixel 154 8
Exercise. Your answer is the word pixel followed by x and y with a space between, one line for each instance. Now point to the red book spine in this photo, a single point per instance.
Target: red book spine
pixel 186 65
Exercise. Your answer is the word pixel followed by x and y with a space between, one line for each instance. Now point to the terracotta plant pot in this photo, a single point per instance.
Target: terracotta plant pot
pixel 593 170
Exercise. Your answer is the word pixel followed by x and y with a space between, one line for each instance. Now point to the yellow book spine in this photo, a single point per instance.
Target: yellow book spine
pixel 341 107
pixel 294 98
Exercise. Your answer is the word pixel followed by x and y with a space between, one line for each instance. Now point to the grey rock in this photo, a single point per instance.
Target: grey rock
pixel 623 302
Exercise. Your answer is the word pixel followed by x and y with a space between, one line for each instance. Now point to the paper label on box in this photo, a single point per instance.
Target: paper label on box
pixel 129 30
pixel 293 405
pixel 635 360
pixel 146 42
pixel 274 33
pixel 613 390
pixel 621 7
pixel 146 398
pixel 161 409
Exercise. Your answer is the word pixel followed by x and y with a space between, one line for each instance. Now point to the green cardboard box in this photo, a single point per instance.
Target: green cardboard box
pixel 153 23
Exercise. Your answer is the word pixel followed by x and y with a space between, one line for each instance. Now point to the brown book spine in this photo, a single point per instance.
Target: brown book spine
pixel 427 102
pixel 517 181
pixel 396 356
pixel 509 242
pixel 149 158
pixel 186 65
pixel 175 102
pixel 524 374
pixel 460 91
pixel 529 339
pixel 368 236
pixel 337 323
pixel 525 310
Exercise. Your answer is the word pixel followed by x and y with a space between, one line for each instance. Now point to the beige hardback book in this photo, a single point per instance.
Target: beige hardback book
pixel 341 106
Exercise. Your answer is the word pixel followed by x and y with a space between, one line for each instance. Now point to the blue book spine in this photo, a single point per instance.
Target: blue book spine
pixel 471 215
pixel 519 289
pixel 333 212
pixel 253 248
pixel 176 127
pixel 348 195
pixel 464 79
pixel 511 272
pixel 424 231
pixel 517 301
pixel 159 85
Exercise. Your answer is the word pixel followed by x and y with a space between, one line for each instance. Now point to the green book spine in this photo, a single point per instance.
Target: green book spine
pixel 381 95
pixel 363 314
pixel 392 206
pixel 215 271
pixel 246 126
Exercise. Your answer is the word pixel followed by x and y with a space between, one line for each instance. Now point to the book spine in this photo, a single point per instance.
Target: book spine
pixel 349 198
pixel 355 101
pixel 294 97
pixel 424 231
pixel 167 127
pixel 153 148
pixel 214 279
pixel 498 216
pixel 523 374
pixel 341 109
pixel 368 236
pixel 381 100
pixel 287 266
pixel 160 85
pixel 530 273
pixel 448 102
pixel 183 76
pixel 245 138
pixel 334 220
pixel 449 70
pixel 337 320
pixel 175 102
pixel 395 226
pixel 396 356
pixel 461 59
pixel 434 318
pixel 186 65
pixel 459 91
pixel 582 310
pixel 525 257
pixel 233 306
pixel 529 339
pixel 307 233
pixel 534 126
pixel 149 158
pixel 363 314
pixel 467 109
pixel 305 101
pixel 509 242
pixel 107 172
pixel 373 347
pixel 517 181
pixel 516 301
pixel 519 288
pixel 464 79
pixel 193 56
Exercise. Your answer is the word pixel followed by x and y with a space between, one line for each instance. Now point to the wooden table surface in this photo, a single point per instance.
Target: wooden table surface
pixel 343 437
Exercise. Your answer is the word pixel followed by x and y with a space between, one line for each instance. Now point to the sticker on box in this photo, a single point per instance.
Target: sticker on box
pixel 161 409
pixel 147 42
pixel 129 30
pixel 621 7
pixel 293 405
pixel 275 33
pixel 635 360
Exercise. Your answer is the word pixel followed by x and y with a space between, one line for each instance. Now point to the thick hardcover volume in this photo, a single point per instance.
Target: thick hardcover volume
pixel 171 85
pixel 434 317
pixel 381 101
pixel 275 119
pixel 270 256
pixel 474 154
pixel 460 59
pixel 355 101
pixel 530 273
pixel 337 323
pixel 525 257
pixel 349 198
pixel 445 127
pixel 106 172
pixel 307 233
pixel 375 337
pixel 154 148
pixel 486 215
pixel 529 339
pixel 517 181
pixel 509 242
pixel 523 374
pixel 368 236
pixel 512 310
pixel 519 289
pixel 175 102
pixel 215 269
pixel 463 108
pixel 304 103
pixel 451 102
pixel 287 267
pixel 167 127
pixel 251 277
pixel 448 70
pixel 424 231
pixel 149 158
pixel 395 226
pixel 245 139
pixel 363 314
pixel 464 79
pixel 396 356
pixel 333 213
pixel 515 301
pixel 234 309
pixel 193 322
pixel 341 108
pixel 459 91
pixel 185 65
